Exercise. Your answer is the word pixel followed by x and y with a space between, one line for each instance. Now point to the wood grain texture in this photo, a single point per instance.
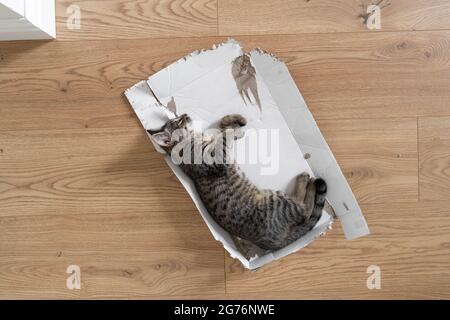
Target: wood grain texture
pixel 139 254
pixel 81 184
pixel 359 75
pixel 85 90
pixel 434 148
pixel 341 76
pixel 377 156
pixel 245 17
pixel 105 200
pixel 83 171
pixel 408 241
pixel 129 19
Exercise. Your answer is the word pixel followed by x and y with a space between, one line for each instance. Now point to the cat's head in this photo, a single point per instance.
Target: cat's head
pixel 172 132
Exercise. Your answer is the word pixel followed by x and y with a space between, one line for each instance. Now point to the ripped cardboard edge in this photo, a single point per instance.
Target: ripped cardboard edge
pixel 141 99
pixel 283 89
pixel 292 105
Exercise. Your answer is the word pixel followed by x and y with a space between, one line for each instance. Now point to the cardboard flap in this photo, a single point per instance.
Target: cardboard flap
pixel 204 86
pixel 308 136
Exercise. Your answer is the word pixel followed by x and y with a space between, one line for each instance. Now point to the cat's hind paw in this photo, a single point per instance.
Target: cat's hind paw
pixel 321 185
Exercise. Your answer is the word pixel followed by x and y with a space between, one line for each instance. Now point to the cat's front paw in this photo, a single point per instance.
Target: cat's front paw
pixel 233 121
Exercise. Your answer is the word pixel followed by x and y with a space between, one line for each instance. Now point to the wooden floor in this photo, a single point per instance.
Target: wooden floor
pixel 80 183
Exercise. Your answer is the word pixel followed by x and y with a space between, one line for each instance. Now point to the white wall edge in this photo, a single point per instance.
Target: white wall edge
pixel 37 22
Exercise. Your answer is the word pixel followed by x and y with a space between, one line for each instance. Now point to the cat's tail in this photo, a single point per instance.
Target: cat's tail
pixel 319 201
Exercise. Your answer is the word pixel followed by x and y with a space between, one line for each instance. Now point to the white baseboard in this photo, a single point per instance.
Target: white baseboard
pixel 12 9
pixel 27 19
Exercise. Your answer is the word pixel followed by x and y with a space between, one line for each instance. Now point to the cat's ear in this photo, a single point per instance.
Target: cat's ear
pixel 152 132
pixel 163 139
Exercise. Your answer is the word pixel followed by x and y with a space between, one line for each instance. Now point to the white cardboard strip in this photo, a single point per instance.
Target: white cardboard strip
pixel 146 107
pixel 210 69
pixel 307 134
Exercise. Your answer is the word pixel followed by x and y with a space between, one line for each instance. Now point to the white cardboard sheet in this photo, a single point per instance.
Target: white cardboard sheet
pixel 202 86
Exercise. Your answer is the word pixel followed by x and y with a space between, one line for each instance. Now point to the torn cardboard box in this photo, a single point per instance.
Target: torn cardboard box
pixel 210 84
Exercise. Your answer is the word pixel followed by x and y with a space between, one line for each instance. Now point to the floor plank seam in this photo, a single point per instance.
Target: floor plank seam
pixel 225 36
pixel 217 18
pixel 418 160
pixel 136 126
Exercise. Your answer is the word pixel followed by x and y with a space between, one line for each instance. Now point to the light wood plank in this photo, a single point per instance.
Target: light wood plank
pixel 378 157
pixel 80 183
pixel 359 75
pixel 122 19
pixel 105 200
pixel 246 17
pixel 342 76
pixel 126 254
pixel 408 241
pixel 434 155
pixel 73 89
pixel 83 171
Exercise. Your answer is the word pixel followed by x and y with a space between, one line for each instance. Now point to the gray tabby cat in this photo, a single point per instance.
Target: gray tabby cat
pixel 270 220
